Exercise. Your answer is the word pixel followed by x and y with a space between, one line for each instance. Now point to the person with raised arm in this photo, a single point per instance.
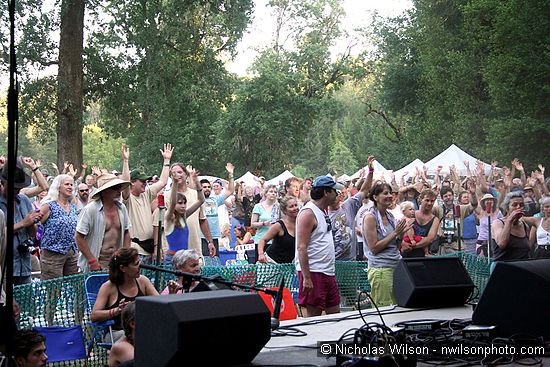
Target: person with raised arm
pixel 175 218
pixel 138 198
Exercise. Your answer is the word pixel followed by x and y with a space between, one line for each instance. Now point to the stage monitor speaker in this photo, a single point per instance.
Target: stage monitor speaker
pixel 420 282
pixel 218 328
pixel 517 299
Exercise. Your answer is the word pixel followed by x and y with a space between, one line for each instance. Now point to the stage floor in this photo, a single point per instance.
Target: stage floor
pixel 302 350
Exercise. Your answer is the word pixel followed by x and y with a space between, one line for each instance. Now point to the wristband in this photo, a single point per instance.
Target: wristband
pixel 371 170
pixel 93 261
pixel 166 164
pixel 35 168
pixel 199 190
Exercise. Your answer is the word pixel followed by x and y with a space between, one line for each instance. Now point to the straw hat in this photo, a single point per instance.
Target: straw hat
pixel 488 197
pixel 108 180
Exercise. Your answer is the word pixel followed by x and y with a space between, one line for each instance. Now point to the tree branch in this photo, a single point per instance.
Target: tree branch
pixel 397 130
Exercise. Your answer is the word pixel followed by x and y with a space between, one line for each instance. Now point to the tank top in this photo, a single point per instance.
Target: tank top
pixel 282 248
pixel 517 249
pixel 321 244
pixel 543 236
pixel 117 319
pixel 469 230
pixel 178 239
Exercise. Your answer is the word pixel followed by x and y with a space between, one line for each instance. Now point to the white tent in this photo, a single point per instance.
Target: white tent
pixel 410 168
pixel 249 179
pixel 453 155
pixel 344 178
pixel 282 177
pixel 379 170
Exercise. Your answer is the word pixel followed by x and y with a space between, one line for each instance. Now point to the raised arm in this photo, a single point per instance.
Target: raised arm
pixel 39 179
pixel 125 170
pixel 163 178
pixel 194 176
pixel 231 185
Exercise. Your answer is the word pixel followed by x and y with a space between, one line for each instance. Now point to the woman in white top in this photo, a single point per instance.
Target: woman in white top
pixel 540 230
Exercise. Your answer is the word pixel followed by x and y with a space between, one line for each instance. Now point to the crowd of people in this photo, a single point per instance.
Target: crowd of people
pixel 115 221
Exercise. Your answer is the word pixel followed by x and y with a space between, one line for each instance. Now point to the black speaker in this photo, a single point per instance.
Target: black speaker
pixel 420 282
pixel 219 328
pixel 517 299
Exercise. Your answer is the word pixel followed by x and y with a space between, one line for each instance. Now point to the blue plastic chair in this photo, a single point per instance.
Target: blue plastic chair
pixel 64 343
pixel 91 285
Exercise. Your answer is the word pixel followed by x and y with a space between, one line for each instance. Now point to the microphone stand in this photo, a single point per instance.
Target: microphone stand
pixel 203 278
pixel 159 246
pixel 278 295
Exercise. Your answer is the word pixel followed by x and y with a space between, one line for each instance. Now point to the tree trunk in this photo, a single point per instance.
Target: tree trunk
pixel 69 84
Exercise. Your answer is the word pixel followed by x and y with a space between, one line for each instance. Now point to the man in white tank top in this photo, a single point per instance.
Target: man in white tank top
pixel 315 260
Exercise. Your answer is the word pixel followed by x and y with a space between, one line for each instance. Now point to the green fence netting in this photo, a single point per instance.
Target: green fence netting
pixel 62 301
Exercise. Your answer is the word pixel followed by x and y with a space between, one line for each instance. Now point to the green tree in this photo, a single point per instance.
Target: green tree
pixel 170 86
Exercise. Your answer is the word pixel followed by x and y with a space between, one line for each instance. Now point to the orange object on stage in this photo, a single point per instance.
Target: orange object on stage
pixel 288 309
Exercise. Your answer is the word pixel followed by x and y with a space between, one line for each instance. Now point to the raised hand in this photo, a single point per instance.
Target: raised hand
pixel 125 152
pixel 167 151
pixel 230 168
pixel 96 171
pixel 84 166
pixel 72 170
pixel 516 163
pixel 370 161
pixel 29 162
pixel 541 168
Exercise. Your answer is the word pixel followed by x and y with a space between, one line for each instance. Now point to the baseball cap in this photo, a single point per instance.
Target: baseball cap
pixel 327 181
pixel 139 175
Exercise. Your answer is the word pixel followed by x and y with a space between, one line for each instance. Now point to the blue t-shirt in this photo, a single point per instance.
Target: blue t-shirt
pixel 210 208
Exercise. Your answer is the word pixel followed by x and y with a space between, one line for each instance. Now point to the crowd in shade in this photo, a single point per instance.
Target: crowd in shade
pixel 116 220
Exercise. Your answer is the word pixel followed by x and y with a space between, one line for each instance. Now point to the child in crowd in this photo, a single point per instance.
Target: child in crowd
pixel 410 239
pixel 177 233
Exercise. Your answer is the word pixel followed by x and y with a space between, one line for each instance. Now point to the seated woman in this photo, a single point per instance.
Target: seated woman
pixel 125 284
pixel 282 233
pixel 187 261
pixel 123 350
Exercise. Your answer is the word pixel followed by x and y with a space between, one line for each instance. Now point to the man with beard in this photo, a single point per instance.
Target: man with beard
pixel 210 207
pixel 82 196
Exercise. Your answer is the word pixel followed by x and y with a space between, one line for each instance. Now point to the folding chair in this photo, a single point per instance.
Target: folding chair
pixel 64 343
pixel 91 285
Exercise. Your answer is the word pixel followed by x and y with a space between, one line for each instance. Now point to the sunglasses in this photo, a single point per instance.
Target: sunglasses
pixel 207 187
pixel 85 190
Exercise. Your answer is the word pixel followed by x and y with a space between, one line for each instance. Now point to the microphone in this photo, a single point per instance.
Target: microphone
pixel 161 201
pixel 277 306
pixel 457 211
